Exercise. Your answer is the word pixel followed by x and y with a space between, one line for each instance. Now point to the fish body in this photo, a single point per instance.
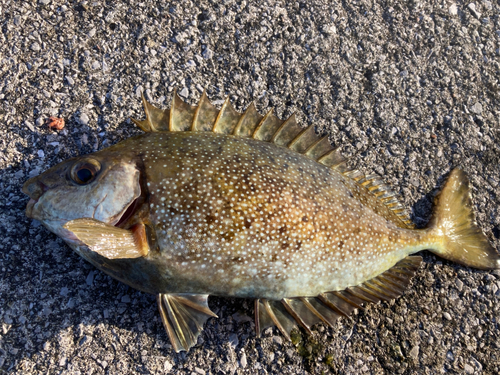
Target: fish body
pixel 244 218
pixel 264 211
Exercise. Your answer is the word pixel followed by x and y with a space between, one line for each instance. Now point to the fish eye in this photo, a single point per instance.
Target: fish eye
pixel 84 172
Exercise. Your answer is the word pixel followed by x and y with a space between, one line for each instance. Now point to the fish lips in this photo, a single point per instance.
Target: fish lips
pixel 34 189
pixel 29 208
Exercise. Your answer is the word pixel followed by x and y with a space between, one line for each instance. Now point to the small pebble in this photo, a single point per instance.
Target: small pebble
pixel 83 119
pixel 477 108
pixel 243 359
pixel 62 361
pixel 414 352
pixel 29 125
pixel 90 278
pixel 453 10
pixel 472 8
pixel 468 369
pixel 233 340
pixel 207 53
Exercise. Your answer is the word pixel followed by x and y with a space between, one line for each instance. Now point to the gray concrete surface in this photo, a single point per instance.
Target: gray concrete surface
pixel 409 89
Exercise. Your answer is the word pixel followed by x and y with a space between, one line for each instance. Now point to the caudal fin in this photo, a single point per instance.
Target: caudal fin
pixel 454 225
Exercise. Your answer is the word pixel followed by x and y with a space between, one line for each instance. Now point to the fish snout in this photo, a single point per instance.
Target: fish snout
pixel 34 188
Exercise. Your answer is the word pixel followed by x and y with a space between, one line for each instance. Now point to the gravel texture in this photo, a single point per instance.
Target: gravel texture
pixel 408 89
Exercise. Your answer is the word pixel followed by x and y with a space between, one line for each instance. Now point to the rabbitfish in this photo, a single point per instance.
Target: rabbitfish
pixel 214 202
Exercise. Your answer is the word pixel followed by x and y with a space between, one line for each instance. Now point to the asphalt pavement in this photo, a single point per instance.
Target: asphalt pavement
pixel 407 89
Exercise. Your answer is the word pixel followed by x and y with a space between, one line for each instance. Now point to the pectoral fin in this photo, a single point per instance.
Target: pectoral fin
pixel 109 241
pixel 183 316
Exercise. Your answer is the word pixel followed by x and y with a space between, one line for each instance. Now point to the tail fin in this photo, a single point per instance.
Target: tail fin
pixel 453 222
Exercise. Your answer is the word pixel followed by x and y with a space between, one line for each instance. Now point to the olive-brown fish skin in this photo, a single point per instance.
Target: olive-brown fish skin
pixel 239 217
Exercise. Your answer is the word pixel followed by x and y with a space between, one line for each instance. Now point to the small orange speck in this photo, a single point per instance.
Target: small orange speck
pixel 55 123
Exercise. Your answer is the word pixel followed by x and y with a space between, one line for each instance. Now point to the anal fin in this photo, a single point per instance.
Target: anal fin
pixel 330 306
pixel 183 316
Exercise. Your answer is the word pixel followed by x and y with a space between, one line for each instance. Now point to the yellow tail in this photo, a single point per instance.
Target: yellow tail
pixel 454 224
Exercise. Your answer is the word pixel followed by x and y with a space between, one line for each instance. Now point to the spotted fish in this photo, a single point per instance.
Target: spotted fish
pixel 215 202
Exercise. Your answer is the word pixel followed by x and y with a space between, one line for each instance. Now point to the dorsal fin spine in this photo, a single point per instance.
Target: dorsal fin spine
pixel 282 126
pixel 226 102
pixel 336 157
pixel 172 106
pixel 313 145
pixel 145 106
pixel 197 112
pixel 240 121
pixel 297 137
pixel 257 128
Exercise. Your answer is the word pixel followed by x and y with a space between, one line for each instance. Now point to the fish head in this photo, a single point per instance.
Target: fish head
pixel 104 186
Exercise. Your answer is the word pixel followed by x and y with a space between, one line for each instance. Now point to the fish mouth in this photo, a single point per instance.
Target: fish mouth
pixel 34 189
pixel 29 208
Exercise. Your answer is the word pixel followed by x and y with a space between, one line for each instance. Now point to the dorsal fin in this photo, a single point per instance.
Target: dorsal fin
pixel 205 115
pixel 156 119
pixel 181 114
pixel 269 128
pixel 333 159
pixel 250 124
pixel 304 312
pixel 304 140
pixel 372 190
pixel 227 119
pixel 287 132
pixel 319 148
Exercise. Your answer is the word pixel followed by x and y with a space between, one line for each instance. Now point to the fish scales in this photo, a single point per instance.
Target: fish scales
pixel 260 221
pixel 212 202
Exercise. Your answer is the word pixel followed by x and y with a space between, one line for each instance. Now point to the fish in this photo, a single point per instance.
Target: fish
pixel 217 202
